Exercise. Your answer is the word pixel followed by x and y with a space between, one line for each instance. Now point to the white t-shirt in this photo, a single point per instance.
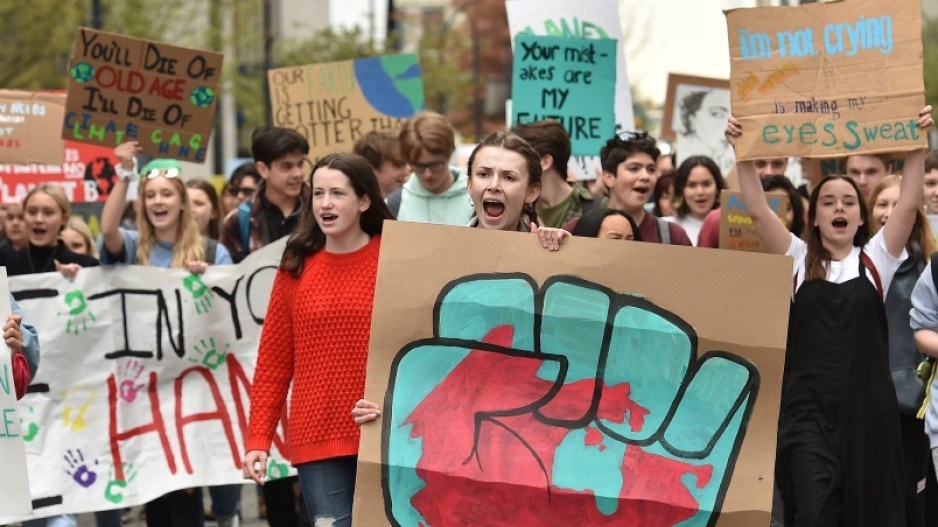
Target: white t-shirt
pixel 691 226
pixel 840 271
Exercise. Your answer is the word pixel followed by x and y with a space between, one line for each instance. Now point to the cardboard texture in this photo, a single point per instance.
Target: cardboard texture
pixel 493 399
pixel 596 19
pixel 122 88
pixel 335 103
pixel 737 232
pixel 827 79
pixel 29 123
pixel 14 488
pixel 569 80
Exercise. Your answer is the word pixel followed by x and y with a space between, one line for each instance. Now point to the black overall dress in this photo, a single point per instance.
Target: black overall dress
pixel 839 455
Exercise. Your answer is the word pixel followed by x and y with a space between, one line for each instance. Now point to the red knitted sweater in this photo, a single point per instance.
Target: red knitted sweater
pixel 316 334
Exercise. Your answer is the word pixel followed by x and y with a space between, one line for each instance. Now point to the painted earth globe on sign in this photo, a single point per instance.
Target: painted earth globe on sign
pixel 82 72
pixel 202 96
pixel 391 85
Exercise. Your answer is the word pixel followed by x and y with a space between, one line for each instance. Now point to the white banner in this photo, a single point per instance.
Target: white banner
pixel 144 383
pixel 577 19
pixel 14 493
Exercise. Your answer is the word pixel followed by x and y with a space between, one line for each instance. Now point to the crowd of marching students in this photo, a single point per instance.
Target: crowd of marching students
pixel 853 448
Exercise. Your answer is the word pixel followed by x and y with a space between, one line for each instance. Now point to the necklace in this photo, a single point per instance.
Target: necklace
pixel 29 259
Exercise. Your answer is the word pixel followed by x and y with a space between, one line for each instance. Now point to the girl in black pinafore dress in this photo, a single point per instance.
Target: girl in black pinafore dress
pixel 839 458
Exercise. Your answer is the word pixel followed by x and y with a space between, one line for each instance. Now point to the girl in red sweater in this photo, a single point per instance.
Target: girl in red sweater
pixel 316 335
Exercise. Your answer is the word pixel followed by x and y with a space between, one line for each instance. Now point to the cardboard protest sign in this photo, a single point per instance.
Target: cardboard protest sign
pixel 737 231
pixel 29 124
pixel 85 173
pixel 14 486
pixel 145 382
pixel 597 19
pixel 827 79
pixel 333 104
pixel 569 80
pixel 122 88
pixel 578 383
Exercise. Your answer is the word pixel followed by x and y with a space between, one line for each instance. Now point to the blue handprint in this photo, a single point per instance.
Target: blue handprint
pixel 562 405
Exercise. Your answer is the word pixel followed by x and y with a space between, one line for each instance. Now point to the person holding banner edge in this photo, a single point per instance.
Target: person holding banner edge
pixel 839 455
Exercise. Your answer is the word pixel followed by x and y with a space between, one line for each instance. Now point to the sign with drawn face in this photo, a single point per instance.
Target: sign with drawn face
pixel 530 388
pixel 128 89
pixel 145 383
pixel 594 20
pixel 827 79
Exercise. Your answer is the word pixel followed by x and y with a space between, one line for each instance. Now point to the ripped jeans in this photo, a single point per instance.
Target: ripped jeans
pixel 328 489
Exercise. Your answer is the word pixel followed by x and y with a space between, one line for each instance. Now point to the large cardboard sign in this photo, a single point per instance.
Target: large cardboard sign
pixel 827 79
pixel 570 388
pixel 14 490
pixel 145 382
pixel 333 104
pixel 737 232
pixel 569 80
pixel 597 19
pixel 122 88
pixel 29 123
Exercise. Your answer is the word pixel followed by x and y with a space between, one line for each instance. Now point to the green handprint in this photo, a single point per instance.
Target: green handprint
pixel 201 294
pixel 114 491
pixel 210 357
pixel 32 428
pixel 78 312
pixel 277 470
pixel 587 406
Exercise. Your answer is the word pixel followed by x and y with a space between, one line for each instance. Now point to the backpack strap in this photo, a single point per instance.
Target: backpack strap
pixel 664 230
pixel 934 269
pixel 868 263
pixel 244 225
pixel 211 248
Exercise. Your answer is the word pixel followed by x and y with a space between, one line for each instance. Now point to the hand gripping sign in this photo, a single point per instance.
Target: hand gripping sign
pixel 567 404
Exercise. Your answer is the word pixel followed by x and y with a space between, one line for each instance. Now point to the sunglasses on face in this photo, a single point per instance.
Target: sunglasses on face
pixel 244 191
pixel 165 172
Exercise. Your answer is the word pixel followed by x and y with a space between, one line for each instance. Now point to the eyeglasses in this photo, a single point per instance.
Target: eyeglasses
pixel 165 172
pixel 435 166
pixel 244 191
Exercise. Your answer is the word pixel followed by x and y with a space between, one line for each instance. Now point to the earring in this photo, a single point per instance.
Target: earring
pixel 471 203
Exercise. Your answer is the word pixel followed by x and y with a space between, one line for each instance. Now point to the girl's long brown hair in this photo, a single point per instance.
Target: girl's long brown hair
pixel 818 258
pixel 308 237
pixel 922 238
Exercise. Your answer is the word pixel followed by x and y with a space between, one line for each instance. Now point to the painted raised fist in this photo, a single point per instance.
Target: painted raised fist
pixel 566 404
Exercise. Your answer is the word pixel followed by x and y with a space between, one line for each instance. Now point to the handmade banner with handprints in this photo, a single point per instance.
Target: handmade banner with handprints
pixel 29 123
pixel 144 384
pixel 569 80
pixel 525 387
pixel 335 103
pixel 122 89
pixel 597 19
pixel 827 79
pixel 14 492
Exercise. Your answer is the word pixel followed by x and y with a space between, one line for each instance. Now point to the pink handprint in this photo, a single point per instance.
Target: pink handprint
pixel 129 373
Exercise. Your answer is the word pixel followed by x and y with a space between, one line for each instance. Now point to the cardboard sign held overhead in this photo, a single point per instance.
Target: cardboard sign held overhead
pixel 569 80
pixel 737 231
pixel 333 104
pixel 593 20
pixel 572 382
pixel 29 123
pixel 122 88
pixel 827 79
